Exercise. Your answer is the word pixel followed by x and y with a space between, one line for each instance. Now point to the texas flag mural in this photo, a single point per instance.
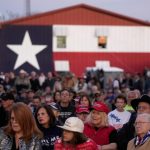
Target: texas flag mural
pixel 26 47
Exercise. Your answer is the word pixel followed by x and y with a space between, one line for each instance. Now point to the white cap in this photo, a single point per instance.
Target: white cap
pixel 73 124
pixel 22 71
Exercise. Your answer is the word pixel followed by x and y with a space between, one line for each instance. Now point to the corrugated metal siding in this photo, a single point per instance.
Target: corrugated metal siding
pixel 79 60
pixel 87 15
pixel 83 38
pixel 77 16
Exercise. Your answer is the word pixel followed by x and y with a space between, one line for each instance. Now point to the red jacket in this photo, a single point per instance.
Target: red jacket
pixel 100 136
pixel 88 145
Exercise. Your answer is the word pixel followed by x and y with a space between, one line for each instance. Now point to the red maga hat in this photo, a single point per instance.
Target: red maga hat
pixel 99 106
pixel 82 109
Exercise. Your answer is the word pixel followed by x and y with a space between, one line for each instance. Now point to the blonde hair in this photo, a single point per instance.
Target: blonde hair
pixel 104 119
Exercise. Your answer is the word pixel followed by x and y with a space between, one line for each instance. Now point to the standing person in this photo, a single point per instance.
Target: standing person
pixel 22 81
pixel 119 116
pixel 35 85
pixel 21 133
pixel 81 85
pixel 127 132
pixel 66 108
pixel 49 82
pixel 138 82
pixel 46 122
pixel 98 128
pixel 142 128
pixel 36 102
pixel 7 100
pixel 73 137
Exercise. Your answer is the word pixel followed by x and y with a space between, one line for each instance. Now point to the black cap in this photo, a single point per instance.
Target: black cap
pixel 144 98
pixel 7 96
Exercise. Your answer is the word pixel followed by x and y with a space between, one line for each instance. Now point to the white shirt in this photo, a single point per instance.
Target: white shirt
pixel 117 118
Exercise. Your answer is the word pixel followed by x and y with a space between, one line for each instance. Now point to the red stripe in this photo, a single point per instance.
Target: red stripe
pixel 130 62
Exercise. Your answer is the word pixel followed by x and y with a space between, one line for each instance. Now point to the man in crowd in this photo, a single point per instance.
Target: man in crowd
pixel 7 100
pixel 66 108
pixel 142 129
pixel 141 105
pixel 118 117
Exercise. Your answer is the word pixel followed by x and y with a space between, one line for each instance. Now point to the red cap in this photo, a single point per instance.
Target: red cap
pixel 82 108
pixel 99 106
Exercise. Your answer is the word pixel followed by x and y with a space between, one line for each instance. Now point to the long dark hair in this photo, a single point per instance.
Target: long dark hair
pixel 50 114
pixel 78 138
pixel 87 97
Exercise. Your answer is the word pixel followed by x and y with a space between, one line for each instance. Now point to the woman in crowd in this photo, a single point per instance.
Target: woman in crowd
pixel 47 124
pixel 85 100
pixel 98 129
pixel 73 137
pixel 21 133
pixel 56 96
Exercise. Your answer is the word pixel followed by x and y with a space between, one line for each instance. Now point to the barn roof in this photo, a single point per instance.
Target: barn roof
pixel 79 6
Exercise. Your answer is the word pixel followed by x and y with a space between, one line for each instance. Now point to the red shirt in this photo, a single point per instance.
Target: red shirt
pixel 88 145
pixel 100 136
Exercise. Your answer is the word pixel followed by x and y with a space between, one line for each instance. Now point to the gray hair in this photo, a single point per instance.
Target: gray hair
pixel 146 116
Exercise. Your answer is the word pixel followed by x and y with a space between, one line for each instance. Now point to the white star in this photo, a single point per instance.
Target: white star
pixel 26 51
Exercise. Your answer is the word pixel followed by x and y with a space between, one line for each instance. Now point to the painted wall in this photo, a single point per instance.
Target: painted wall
pixel 128 47
pixel 120 38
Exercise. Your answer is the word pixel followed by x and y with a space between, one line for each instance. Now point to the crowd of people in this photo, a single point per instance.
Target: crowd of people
pixel 62 111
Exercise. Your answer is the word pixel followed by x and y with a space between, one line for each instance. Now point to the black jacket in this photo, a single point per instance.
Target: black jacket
pixel 126 133
pixel 4 117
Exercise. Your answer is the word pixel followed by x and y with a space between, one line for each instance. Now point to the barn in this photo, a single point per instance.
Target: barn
pixel 74 38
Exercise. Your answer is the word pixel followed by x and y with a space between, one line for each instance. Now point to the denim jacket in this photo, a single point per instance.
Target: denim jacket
pixel 6 143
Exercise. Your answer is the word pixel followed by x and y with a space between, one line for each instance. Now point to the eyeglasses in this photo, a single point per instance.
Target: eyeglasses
pixel 140 123
pixel 142 107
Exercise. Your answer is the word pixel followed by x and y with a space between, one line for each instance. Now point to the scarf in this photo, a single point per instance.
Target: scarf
pixel 139 141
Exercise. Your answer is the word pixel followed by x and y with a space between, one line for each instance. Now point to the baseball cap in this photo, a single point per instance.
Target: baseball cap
pixel 73 124
pixel 99 106
pixel 54 106
pixel 82 109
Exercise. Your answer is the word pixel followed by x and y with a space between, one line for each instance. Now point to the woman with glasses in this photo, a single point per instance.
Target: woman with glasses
pixel 21 133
